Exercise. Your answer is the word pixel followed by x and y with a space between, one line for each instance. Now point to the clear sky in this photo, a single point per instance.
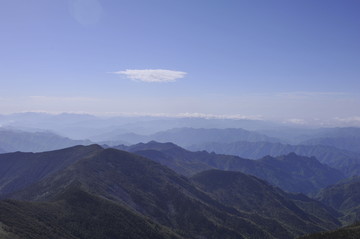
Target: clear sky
pixel 288 60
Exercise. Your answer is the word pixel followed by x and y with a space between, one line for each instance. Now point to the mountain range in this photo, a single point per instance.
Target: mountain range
pixel 95 128
pixel 218 183
pixel 103 193
pixel 336 147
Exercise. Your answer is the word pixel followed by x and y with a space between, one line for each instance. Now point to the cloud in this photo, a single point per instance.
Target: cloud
pixel 354 120
pixel 185 115
pixel 296 121
pixel 152 75
pixel 218 116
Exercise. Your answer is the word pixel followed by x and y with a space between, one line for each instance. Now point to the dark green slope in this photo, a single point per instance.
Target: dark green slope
pixel 76 214
pixel 154 191
pixel 19 170
pixel 345 197
pixel 350 232
pixel 290 172
pixel 250 194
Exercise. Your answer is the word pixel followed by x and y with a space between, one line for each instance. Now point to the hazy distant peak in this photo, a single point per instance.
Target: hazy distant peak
pixel 154 145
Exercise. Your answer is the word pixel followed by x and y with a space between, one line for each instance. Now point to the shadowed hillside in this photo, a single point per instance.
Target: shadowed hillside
pixel 19 170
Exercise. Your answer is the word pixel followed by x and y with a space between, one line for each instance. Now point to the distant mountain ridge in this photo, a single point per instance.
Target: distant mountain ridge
pixel 18 140
pixel 345 143
pixel 342 138
pixel 80 126
pixel 189 136
pixel 84 126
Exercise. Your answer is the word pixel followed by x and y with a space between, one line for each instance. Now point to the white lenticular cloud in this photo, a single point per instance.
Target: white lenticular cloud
pixel 152 75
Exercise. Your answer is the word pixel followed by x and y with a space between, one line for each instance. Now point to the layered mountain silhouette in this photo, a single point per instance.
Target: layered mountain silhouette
pixel 108 193
pixel 346 161
pixel 290 172
pixel 161 190
pixel 186 137
pixel 82 126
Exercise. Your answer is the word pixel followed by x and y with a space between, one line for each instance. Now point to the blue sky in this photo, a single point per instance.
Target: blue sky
pixel 286 60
